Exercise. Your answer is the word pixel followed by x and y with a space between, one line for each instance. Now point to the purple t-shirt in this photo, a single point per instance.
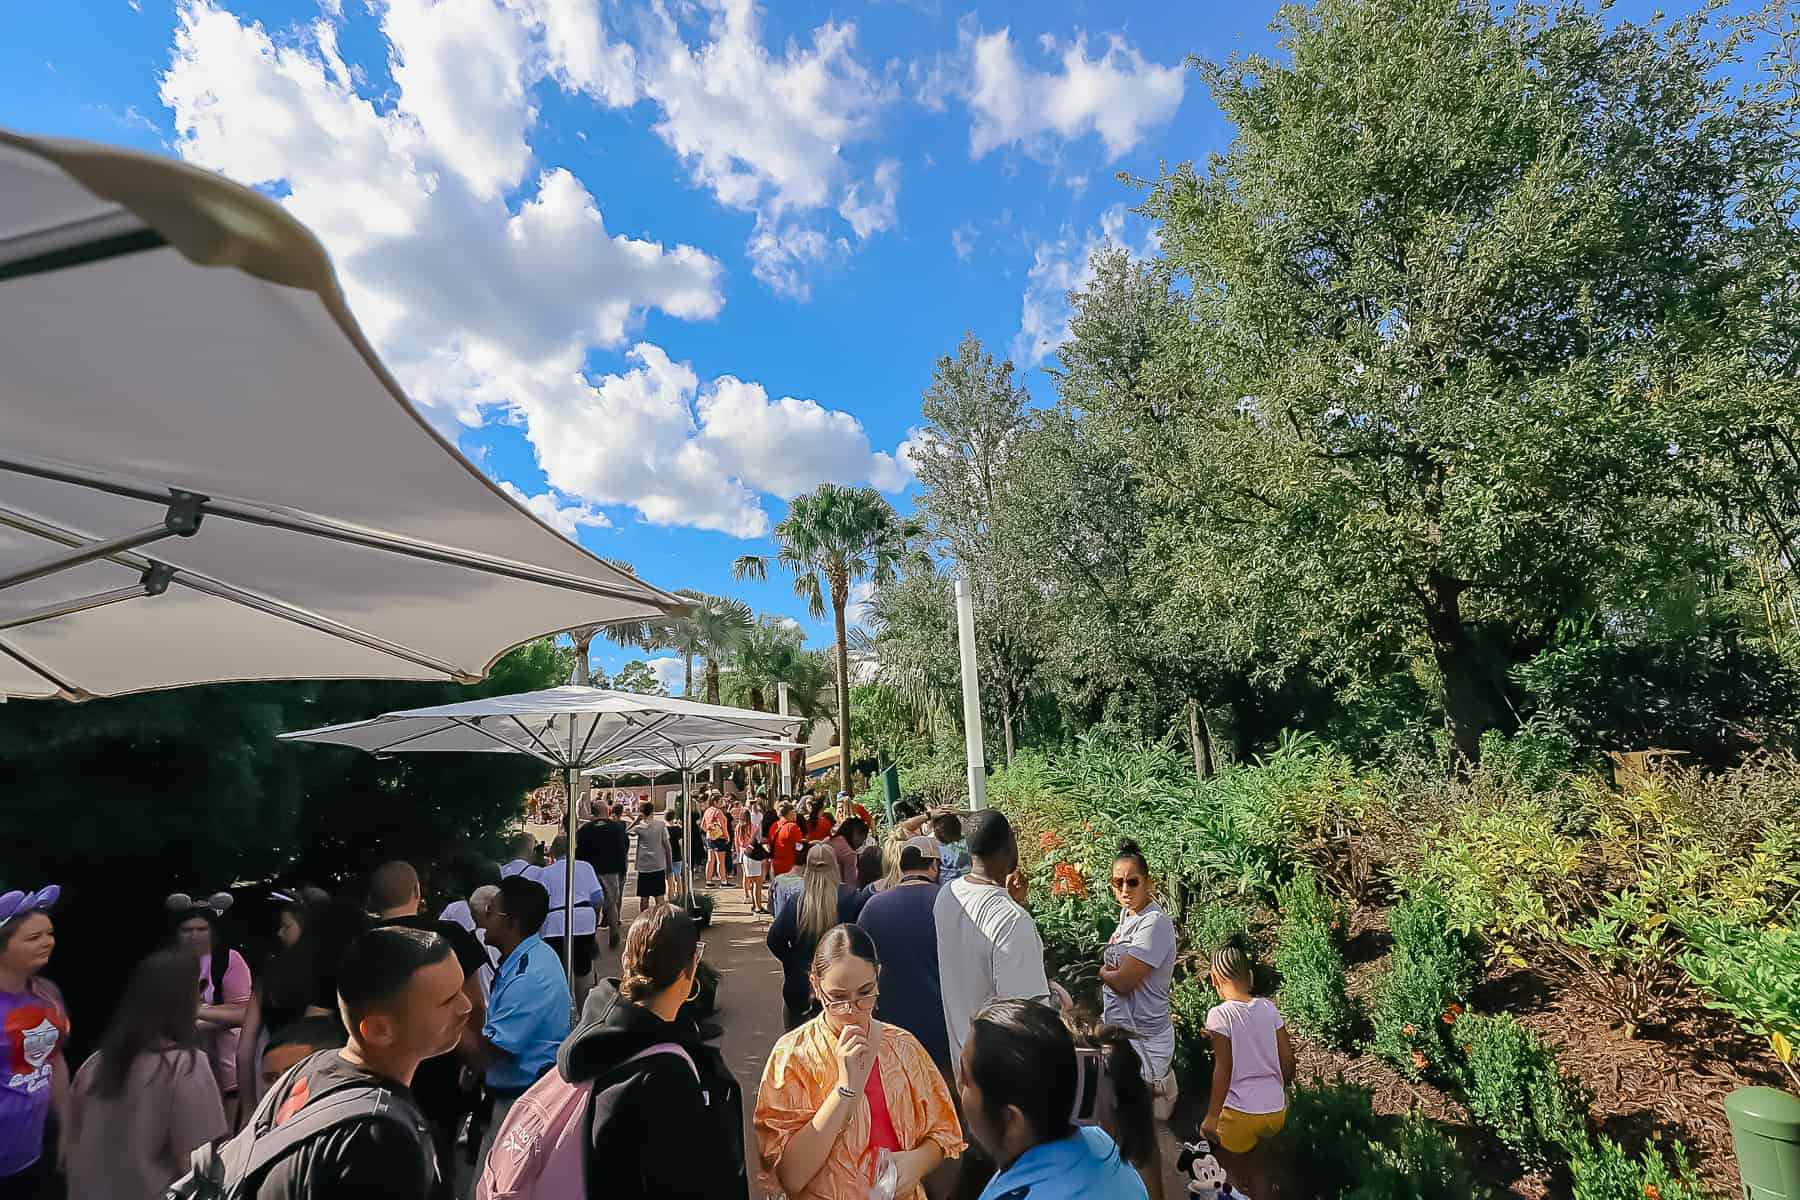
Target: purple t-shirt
pixel 33 1028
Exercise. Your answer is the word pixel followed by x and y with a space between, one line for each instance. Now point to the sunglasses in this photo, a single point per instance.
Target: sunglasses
pixel 1125 882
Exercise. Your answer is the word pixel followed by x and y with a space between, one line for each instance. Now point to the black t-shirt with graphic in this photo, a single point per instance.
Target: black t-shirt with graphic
pixel 371 1159
pixel 438 1082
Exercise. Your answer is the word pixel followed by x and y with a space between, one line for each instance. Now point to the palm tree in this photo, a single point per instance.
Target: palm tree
pixel 831 538
pixel 583 635
pixel 710 629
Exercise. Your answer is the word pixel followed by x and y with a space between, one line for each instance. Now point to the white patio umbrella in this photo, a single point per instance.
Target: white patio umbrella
pixel 207 474
pixel 571 728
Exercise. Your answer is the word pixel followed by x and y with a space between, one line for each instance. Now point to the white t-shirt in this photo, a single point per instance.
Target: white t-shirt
pixel 1255 1058
pixel 460 912
pixel 519 866
pixel 587 888
pixel 1149 937
pixel 988 949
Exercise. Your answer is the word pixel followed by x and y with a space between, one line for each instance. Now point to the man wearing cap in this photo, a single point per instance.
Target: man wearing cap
pixel 900 921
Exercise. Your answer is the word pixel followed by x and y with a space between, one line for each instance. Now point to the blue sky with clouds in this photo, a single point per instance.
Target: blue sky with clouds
pixel 662 266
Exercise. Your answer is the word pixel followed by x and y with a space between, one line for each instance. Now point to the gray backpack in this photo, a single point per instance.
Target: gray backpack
pixel 232 1168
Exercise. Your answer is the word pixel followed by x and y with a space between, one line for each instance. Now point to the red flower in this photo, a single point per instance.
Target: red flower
pixel 1065 880
pixel 1457 1009
pixel 1419 1060
pixel 1409 1029
pixel 1651 1193
pixel 1449 1018
pixel 1048 841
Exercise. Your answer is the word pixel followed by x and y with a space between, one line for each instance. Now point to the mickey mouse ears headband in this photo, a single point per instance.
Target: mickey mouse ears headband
pixel 181 902
pixel 19 904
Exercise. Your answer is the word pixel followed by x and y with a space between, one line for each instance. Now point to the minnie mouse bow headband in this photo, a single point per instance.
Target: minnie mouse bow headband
pixel 18 904
pixel 216 904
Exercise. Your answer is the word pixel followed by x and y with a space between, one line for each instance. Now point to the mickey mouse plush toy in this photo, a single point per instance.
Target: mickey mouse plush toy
pixel 1206 1178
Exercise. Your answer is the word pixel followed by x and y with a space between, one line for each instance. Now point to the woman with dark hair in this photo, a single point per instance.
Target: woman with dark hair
pixel 1137 972
pixel 147 1099
pixel 34 1076
pixel 1033 1099
pixel 850 1106
pixel 225 985
pixel 795 932
pixel 278 997
pixel 667 1117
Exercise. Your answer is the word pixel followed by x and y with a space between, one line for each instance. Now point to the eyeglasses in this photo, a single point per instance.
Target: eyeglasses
pixel 1124 883
pixel 699 953
pixel 860 1001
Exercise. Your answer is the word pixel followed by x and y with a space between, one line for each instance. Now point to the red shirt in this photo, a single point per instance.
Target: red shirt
pixel 821 829
pixel 881 1121
pixel 784 844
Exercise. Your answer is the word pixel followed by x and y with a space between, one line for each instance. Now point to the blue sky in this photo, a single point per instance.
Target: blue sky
pixel 662 266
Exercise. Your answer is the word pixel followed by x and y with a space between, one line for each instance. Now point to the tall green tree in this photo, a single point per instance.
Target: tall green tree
pixel 1445 285
pixel 636 676
pixel 832 537
pixel 710 629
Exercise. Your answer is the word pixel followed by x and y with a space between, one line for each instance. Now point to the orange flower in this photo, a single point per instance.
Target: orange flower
pixel 1449 1018
pixel 1409 1029
pixel 1334 924
pixel 1065 880
pixel 1419 1060
pixel 1651 1193
pixel 1048 841
pixel 1468 1049
pixel 1457 1009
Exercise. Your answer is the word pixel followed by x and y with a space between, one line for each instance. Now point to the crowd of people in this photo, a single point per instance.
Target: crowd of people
pixel 378 1050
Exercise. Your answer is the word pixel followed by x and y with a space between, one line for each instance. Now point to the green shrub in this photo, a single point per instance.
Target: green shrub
pixel 1603 1171
pixel 1211 927
pixel 1190 1000
pixel 1431 968
pixel 1313 994
pixel 1513 1086
pixel 1753 974
pixel 1334 1147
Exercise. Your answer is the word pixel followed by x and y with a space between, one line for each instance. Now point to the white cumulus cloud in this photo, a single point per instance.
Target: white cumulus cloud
pixel 561 515
pixel 1118 95
pixel 670 672
pixel 1062 266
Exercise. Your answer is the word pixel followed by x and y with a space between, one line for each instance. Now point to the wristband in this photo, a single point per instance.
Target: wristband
pixel 846 1093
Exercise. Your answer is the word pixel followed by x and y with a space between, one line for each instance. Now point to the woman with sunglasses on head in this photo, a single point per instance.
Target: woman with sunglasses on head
pixel 667 1117
pixel 1033 1096
pixel 34 1077
pixel 850 1106
pixel 225 986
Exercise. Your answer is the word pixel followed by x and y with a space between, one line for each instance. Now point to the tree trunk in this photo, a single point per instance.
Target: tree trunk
pixel 756 699
pixel 1200 741
pixel 712 680
pixel 1006 730
pixel 1473 702
pixel 584 641
pixel 687 683
pixel 838 604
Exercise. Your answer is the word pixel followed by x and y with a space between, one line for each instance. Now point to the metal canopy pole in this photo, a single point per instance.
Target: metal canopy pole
pixel 971 697
pixel 568 866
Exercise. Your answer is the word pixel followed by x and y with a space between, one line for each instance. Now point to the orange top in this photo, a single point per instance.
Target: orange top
pixel 801 1074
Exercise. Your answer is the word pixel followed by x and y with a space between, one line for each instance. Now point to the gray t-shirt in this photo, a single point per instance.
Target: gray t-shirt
pixel 988 948
pixel 1149 937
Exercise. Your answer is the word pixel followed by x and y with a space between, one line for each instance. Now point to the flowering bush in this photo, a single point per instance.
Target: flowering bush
pixel 1334 1145
pixel 1601 1170
pixel 1430 972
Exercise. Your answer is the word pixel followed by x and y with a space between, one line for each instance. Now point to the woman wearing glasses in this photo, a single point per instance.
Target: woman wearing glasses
pixel 667 1118
pixel 1135 976
pixel 850 1106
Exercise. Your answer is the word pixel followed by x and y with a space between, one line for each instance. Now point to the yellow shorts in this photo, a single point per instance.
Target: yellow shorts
pixel 1240 1131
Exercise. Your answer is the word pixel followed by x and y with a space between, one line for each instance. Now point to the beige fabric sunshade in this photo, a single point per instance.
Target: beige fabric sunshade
pixel 206 474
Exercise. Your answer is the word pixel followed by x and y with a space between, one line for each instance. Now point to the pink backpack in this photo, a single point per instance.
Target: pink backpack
pixel 541 1149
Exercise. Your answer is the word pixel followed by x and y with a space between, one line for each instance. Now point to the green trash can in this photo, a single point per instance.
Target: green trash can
pixel 1765 1133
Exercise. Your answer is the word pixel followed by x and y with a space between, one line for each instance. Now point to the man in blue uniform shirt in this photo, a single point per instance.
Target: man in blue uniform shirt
pixel 528 1008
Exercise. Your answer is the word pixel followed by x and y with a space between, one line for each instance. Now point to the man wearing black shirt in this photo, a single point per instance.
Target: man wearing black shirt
pixel 604 844
pixel 401 995
pixel 395 899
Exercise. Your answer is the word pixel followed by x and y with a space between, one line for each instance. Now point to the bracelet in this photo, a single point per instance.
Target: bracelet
pixel 846 1093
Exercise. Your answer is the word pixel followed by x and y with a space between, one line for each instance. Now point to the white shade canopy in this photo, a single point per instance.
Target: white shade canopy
pixel 695 757
pixel 206 474
pixel 575 728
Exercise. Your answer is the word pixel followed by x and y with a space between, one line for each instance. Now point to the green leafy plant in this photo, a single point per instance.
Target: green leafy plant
pixel 1334 1146
pixel 1416 1001
pixel 1190 999
pixel 1753 974
pixel 1512 1085
pixel 1211 927
pixel 1313 994
pixel 1602 1170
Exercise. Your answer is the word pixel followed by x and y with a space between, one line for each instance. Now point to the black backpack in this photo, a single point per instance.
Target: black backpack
pixel 232 1168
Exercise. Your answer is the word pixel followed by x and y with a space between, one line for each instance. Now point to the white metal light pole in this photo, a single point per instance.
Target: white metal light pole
pixel 787 756
pixel 971 690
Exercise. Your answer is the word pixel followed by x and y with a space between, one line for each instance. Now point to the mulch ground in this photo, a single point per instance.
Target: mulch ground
pixel 1667 1084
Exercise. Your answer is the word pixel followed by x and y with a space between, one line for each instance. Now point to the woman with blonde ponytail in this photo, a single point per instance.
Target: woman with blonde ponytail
pixel 667 1117
pixel 824 902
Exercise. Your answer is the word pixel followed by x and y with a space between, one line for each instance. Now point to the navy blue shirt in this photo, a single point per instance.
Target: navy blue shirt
pixel 905 934
pixel 795 951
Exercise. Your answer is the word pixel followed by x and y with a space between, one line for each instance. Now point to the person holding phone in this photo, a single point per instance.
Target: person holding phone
pixel 850 1105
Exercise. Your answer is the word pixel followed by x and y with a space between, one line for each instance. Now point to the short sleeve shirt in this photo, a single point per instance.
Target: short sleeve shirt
pixel 527 1016
pixel 1255 1053
pixel 784 844
pixel 588 897
pixel 1149 937
pixel 988 948
pixel 34 1027
pixel 359 1160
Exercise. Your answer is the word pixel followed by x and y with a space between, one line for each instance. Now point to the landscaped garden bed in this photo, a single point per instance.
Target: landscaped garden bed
pixel 1525 973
